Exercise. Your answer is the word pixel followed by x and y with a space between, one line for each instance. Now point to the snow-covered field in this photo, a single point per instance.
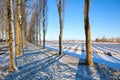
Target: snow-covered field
pixel 45 64
pixel 105 48
pixel 103 53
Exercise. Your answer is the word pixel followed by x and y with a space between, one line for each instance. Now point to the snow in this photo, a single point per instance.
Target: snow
pixel 99 58
pixel 46 64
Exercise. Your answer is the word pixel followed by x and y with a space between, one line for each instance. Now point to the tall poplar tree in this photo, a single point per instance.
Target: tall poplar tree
pixel 18 30
pixel 87 33
pixel 11 29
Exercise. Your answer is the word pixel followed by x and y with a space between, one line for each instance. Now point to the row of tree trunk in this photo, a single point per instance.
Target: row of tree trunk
pixel 60 6
pixel 38 23
pixel 16 29
pixel 16 22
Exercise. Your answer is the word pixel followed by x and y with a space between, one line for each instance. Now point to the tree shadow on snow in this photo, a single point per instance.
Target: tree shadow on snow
pixel 52 68
pixel 96 72
pixel 29 70
pixel 83 72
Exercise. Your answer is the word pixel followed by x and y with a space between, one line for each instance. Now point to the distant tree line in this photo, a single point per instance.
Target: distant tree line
pixel 104 39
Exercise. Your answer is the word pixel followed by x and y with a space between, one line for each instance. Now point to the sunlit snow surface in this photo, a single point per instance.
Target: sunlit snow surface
pixel 78 50
pixel 45 64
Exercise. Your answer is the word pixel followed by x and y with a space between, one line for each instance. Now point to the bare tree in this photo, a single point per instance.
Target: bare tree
pixel 2 21
pixel 39 27
pixel 38 21
pixel 11 29
pixel 44 18
pixel 60 7
pixel 23 21
pixel 87 33
pixel 34 30
pixel 18 30
pixel 31 30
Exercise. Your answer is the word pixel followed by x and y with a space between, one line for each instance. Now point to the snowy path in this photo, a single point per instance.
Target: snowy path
pixel 46 64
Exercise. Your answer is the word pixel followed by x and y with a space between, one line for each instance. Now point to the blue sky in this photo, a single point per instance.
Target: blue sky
pixel 104 19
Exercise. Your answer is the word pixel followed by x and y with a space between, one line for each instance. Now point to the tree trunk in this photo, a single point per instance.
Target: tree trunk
pixel 23 23
pixel 87 34
pixel 11 29
pixel 61 27
pixel 43 33
pixel 44 7
pixel 2 26
pixel 18 31
pixel 39 33
pixel 2 33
